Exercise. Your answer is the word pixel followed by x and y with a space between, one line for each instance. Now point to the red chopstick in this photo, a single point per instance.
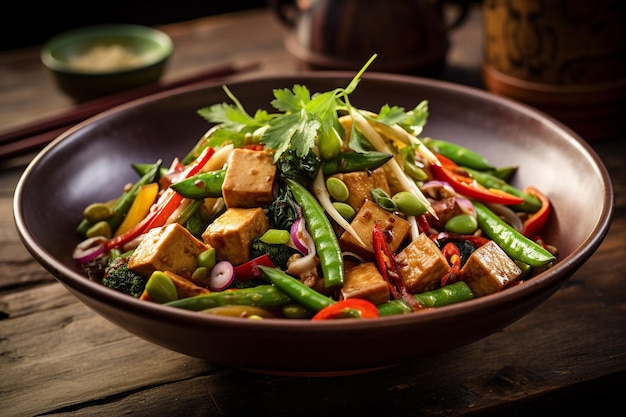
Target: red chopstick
pixel 36 135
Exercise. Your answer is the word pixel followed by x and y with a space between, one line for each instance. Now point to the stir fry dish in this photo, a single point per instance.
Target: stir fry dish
pixel 318 210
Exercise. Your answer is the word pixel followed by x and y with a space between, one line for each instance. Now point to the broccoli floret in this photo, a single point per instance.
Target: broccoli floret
pixel 118 277
pixel 279 254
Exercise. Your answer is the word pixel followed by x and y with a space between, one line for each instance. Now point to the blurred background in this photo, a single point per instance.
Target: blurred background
pixel 20 28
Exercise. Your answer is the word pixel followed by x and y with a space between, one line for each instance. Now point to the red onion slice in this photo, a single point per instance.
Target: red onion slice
pixel 222 276
pixel 300 237
pixel 89 249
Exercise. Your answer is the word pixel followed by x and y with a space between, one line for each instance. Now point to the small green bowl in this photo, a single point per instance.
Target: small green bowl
pixel 96 61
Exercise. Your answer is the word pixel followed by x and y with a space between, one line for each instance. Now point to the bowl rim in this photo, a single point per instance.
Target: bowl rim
pixel 551 279
pixel 145 33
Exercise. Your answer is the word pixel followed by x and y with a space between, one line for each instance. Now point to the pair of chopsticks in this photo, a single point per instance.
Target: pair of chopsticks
pixel 35 136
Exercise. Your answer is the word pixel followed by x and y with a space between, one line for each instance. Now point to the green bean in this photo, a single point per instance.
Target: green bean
pixel 123 203
pixel 449 294
pixel 355 161
pixel 516 245
pixel 322 233
pixel 203 185
pixel 458 154
pixel 296 290
pixel 531 203
pixel 143 169
pixel 266 296
pixel 409 204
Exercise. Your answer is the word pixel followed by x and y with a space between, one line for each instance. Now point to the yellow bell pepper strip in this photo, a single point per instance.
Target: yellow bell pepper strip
pixel 464 184
pixel 535 221
pixel 140 207
pixel 165 205
pixel 350 308
pixel 389 270
pixel 516 245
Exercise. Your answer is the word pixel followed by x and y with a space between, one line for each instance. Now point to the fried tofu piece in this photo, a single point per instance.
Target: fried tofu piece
pixel 249 179
pixel 231 233
pixel 421 265
pixel 489 269
pixel 360 183
pixel 366 282
pixel 363 223
pixel 167 248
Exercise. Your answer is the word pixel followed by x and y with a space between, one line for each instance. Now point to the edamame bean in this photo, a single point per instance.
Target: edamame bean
pixel 462 224
pixel 346 210
pixel 409 204
pixel 97 211
pixel 102 228
pixel 160 288
pixel 337 189
pixel 207 259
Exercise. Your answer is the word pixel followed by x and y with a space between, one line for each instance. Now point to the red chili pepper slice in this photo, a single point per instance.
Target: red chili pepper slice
pixel 453 255
pixel 250 270
pixel 535 221
pixel 448 171
pixel 348 308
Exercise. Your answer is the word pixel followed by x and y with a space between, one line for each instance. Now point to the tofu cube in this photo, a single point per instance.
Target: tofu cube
pixel 421 265
pixel 366 282
pixel 489 269
pixel 249 179
pixel 167 248
pixel 231 233
pixel 363 223
pixel 360 183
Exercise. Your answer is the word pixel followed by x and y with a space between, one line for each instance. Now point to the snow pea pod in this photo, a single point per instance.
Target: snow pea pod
pixel 266 296
pixel 459 154
pixel 203 185
pixel 300 293
pixel 450 294
pixel 531 203
pixel 321 230
pixel 516 245
pixel 355 161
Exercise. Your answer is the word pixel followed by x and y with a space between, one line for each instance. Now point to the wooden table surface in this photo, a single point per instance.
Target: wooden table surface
pixel 57 357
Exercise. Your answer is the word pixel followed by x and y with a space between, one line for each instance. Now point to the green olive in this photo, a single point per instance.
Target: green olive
pixel 337 189
pixel 409 204
pixel 462 224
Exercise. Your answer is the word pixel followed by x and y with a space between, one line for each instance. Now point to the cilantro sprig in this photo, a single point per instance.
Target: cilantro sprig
pixel 300 118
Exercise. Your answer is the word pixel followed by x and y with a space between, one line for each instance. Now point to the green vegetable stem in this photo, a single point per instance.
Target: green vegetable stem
pixel 322 233
pixel 300 293
pixel 450 294
pixel 516 245
pixel 266 296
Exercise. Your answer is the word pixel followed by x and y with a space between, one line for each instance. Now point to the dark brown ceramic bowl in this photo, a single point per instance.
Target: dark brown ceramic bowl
pixel 92 161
